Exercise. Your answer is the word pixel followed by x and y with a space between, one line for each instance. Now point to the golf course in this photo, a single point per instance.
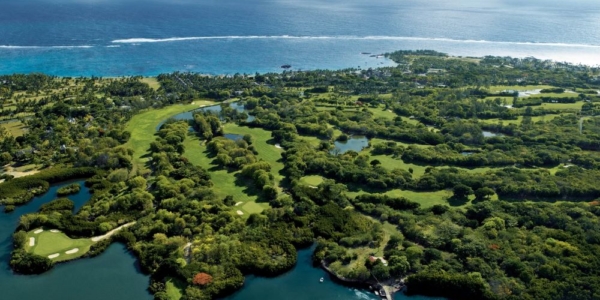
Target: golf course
pixel 56 245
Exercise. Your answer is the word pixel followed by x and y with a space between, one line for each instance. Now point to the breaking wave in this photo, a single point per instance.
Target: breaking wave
pixel 43 47
pixel 343 37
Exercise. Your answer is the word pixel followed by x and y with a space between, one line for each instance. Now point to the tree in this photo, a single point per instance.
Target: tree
pixel 375 162
pixel 5 158
pixel 202 279
pixel 462 191
pixel 484 193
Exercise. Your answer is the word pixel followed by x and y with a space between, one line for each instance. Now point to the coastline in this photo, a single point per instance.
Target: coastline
pixel 390 290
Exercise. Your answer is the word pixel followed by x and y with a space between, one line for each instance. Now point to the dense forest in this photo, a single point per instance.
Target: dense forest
pixel 479 178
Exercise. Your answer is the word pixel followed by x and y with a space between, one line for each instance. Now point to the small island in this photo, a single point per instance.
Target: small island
pixel 69 190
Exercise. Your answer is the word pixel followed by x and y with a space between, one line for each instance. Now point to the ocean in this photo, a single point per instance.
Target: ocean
pixel 127 37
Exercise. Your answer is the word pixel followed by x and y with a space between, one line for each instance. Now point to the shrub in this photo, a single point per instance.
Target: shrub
pixel 202 279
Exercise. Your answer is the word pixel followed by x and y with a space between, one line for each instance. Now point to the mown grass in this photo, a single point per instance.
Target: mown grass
pixel 174 288
pixel 535 119
pixel 152 82
pixel 15 128
pixel 426 199
pixel 143 127
pixel 47 243
pixel 312 180
pixel 500 88
pixel 573 106
pixel 228 182
pixel 263 144
pixel 555 95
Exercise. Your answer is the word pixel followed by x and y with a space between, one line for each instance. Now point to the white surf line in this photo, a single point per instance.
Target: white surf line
pixel 239 203
pixel 74 250
pixel 341 37
pixel 55 255
pixel 38 231
pixel 110 233
pixel 31 241
pixel 239 212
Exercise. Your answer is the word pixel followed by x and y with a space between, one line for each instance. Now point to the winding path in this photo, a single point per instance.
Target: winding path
pixel 110 233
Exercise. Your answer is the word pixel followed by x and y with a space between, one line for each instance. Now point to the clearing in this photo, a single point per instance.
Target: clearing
pixel 143 127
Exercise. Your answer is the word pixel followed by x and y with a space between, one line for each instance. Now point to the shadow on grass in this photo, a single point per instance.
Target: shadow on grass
pixel 249 188
pixel 455 201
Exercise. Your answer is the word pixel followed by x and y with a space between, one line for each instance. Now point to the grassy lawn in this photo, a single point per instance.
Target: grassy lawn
pixel 312 180
pixel 143 127
pixel 545 118
pixel 556 95
pixel 575 106
pixel 174 288
pixel 263 144
pixel 47 243
pixel 499 88
pixel 152 82
pixel 426 199
pixel 380 112
pixel 15 128
pixel 227 182
pixel 508 100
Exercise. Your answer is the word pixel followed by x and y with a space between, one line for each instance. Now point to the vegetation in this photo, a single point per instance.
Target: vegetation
pixel 466 185
pixel 68 190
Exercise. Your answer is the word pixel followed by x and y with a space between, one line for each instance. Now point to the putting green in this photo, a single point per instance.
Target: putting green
pixel 49 243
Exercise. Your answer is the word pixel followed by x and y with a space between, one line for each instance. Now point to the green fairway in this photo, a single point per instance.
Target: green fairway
pixel 426 199
pixel 231 183
pixel 15 128
pixel 313 180
pixel 52 243
pixel 143 127
pixel 500 88
pixel 573 106
pixel 556 95
pixel 535 119
pixel 225 182
pixel 152 82
pixel 267 150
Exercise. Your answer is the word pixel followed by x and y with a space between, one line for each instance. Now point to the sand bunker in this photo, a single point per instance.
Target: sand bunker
pixel 238 203
pixel 54 230
pixel 38 231
pixel 277 146
pixel 72 251
pixel 239 212
pixel 55 255
pixel 31 241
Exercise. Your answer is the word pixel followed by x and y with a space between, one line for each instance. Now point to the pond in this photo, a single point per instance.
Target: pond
pixel 354 143
pixel 490 134
pixel 233 136
pixel 302 283
pixel 216 109
pixel 112 275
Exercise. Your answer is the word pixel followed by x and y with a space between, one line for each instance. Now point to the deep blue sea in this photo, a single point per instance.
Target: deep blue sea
pixel 127 37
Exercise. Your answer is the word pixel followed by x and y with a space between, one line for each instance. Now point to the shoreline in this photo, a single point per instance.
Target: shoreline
pixel 364 284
